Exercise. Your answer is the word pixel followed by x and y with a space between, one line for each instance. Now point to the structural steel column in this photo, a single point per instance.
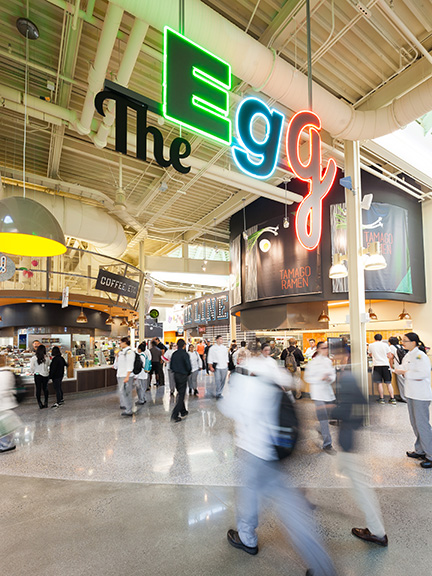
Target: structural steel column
pixel 141 306
pixel 233 327
pixel 356 280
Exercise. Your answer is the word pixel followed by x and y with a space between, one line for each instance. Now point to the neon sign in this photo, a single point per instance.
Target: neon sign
pixel 196 88
pixel 308 220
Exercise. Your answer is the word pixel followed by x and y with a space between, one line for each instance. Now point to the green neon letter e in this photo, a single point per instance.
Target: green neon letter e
pixel 195 88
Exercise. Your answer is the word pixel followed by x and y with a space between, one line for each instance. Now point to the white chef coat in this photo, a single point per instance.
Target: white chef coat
pixel 320 373
pixel 417 375
pixel 218 354
pixel 125 362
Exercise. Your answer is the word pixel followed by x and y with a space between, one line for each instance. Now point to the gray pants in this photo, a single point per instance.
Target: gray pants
pixel 220 377
pixel 350 465
pixel 171 380
pixel 125 393
pixel 141 387
pixel 418 411
pixel 400 378
pixel 267 478
pixel 322 415
pixel 192 380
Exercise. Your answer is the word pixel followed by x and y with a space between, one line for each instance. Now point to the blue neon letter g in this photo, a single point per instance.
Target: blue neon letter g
pixel 257 158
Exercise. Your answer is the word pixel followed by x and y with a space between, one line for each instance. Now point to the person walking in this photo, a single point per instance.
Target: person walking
pixel 380 353
pixel 125 376
pixel 208 345
pixel 292 357
pixel 416 368
pixel 141 378
pixel 252 403
pixel 200 348
pixel 9 421
pixel 320 373
pixel 181 366
pixel 349 412
pixel 56 374
pixel 156 360
pixel 39 366
pixel 218 364
pixel 168 355
pixel 196 366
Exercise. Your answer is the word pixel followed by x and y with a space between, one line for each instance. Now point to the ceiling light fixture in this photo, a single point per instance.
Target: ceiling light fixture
pixel 376 260
pixel 338 268
pixel 323 317
pixel 404 315
pixel 82 318
pixel 372 315
pixel 110 319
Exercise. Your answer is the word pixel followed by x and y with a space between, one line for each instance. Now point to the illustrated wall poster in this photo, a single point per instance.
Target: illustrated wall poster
pixel 279 265
pixel 388 225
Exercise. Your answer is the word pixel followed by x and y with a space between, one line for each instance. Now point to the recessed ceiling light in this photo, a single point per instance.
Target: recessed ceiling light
pixel 29 300
pixel 91 305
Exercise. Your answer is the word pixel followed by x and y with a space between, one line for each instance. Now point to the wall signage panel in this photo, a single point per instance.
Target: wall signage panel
pixel 212 310
pixel 7 268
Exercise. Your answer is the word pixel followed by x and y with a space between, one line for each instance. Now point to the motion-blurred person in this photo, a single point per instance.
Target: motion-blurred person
pixel 349 412
pixel 397 353
pixel 416 368
pixel 172 348
pixel 253 404
pixel 125 376
pixel 320 374
pixel 292 357
pixel 56 374
pixel 9 421
pixel 243 349
pixel 156 360
pixel 181 366
pixel 206 353
pixel 141 378
pixel 310 351
pixel 196 366
pixel 231 363
pixel 218 364
pixel 380 352
pixel 39 366
pixel 275 352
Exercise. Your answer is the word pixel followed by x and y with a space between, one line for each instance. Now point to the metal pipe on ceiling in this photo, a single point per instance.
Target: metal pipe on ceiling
pixel 100 65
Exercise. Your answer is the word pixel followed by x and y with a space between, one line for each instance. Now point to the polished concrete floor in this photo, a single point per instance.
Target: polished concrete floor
pixel 88 492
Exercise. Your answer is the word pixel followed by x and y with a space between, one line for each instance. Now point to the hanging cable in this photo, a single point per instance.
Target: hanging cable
pixel 25 110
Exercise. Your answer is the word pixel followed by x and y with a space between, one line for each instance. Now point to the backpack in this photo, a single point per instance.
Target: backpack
pixel 138 365
pixel 147 364
pixel 284 435
pixel 291 362
pixel 400 353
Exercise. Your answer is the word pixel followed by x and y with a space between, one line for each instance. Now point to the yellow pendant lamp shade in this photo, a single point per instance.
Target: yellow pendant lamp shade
pixel 28 229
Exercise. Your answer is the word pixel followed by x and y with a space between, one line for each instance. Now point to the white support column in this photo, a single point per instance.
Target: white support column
pixel 356 281
pixel 141 306
pixel 233 327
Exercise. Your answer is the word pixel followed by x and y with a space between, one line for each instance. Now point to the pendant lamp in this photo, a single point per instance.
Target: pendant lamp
pixel 371 313
pixel 404 315
pixel 123 322
pixel 82 318
pixel 323 317
pixel 28 229
pixel 110 319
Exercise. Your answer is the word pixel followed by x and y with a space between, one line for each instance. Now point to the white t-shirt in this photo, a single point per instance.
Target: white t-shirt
pixel 379 351
pixel 417 375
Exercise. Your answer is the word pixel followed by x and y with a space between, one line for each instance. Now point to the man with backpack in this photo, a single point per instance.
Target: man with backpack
pixel 292 357
pixel 254 403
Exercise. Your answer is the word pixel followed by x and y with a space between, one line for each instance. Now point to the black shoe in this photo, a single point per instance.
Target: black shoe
pixel 46 405
pixel 175 419
pixel 185 413
pixel 234 539
pixel 122 407
pixel 416 455
pixel 40 405
pixel 55 405
pixel 365 534
pixel 190 392
pixel 8 449
pixel 61 402
pixel 426 464
pixel 196 392
pixel 127 413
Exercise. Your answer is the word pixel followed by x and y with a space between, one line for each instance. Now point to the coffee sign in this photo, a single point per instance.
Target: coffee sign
pixel 115 284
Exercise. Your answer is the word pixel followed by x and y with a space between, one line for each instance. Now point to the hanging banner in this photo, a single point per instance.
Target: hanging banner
pixel 115 284
pixel 388 225
pixel 278 265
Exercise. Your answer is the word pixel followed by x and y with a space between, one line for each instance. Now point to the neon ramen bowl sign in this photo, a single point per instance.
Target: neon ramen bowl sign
pixel 196 90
